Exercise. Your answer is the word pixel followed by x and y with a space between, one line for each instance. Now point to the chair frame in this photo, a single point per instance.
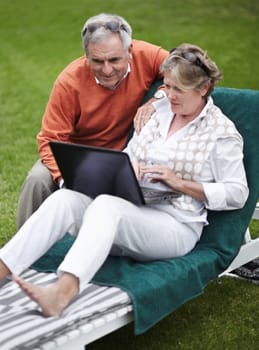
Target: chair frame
pixel 248 251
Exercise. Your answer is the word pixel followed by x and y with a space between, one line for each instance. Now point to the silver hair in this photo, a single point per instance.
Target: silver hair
pixel 100 33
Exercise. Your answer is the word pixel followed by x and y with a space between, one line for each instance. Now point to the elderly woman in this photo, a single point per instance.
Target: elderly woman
pixel 188 147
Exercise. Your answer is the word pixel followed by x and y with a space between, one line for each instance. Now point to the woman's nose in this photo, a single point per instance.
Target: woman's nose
pixel 170 94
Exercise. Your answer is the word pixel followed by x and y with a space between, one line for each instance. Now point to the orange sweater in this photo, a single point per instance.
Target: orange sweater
pixel 81 111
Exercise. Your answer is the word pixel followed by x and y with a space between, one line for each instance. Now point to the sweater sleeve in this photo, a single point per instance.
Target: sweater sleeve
pixel 58 122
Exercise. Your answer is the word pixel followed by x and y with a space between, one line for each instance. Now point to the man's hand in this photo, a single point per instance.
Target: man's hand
pixel 143 115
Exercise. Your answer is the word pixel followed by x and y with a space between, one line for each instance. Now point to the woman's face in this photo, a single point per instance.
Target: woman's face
pixel 184 103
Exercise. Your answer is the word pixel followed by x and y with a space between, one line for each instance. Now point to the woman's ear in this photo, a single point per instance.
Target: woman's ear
pixel 205 88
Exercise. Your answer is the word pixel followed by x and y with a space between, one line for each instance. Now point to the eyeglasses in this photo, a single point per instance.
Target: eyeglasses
pixel 113 26
pixel 191 57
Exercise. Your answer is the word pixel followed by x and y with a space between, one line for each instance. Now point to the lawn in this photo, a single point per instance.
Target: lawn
pixel 38 39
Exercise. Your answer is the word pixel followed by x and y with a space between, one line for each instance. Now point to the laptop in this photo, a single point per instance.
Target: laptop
pixel 96 170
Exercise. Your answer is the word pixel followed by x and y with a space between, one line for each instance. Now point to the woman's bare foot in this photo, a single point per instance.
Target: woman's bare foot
pixel 53 299
pixel 4 271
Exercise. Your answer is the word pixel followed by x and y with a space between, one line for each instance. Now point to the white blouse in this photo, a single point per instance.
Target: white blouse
pixel 215 161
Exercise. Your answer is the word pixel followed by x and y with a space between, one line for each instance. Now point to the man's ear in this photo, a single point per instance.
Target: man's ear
pixel 130 51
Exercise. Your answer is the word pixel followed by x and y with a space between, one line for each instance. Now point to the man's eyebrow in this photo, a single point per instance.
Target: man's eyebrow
pixel 116 58
pixel 111 59
pixel 96 59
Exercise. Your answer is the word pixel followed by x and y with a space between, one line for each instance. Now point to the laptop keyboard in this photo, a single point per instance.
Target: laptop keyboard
pixel 157 196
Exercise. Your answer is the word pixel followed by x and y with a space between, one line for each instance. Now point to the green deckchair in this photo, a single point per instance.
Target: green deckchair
pixel 178 280
pixel 157 289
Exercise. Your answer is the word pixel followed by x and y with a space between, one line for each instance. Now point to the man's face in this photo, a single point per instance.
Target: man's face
pixel 108 60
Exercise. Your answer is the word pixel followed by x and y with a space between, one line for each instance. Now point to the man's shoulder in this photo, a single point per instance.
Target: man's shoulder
pixel 77 64
pixel 74 70
pixel 140 45
pixel 146 52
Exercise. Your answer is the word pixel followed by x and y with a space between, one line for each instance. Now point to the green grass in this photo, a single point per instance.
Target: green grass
pixel 38 39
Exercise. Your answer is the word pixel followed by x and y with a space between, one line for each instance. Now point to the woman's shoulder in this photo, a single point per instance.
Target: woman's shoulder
pixel 223 125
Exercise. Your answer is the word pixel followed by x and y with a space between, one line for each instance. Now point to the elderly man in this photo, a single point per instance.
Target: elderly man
pixel 93 101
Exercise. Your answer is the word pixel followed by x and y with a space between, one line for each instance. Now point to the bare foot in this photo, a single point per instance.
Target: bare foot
pixel 4 271
pixel 52 299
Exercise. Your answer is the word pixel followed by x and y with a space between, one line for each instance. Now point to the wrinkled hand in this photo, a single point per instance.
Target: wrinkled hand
pixel 137 170
pixel 161 173
pixel 164 174
pixel 142 116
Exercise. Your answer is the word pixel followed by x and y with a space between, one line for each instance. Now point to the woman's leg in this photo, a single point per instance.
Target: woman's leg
pixel 54 298
pixel 60 213
pixel 111 223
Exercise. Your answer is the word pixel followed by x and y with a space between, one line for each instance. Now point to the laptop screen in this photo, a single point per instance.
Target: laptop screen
pixel 94 171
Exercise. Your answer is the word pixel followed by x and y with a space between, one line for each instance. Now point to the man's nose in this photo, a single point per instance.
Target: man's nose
pixel 107 67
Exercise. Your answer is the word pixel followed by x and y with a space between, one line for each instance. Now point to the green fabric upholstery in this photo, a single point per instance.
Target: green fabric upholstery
pixel 158 288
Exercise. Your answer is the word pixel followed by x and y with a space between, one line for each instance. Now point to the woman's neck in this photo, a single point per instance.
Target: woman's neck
pixel 181 120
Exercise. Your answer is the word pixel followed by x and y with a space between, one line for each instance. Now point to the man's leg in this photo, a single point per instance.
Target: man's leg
pixel 37 186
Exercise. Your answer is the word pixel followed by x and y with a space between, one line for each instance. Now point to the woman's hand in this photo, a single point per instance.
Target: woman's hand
pixel 136 167
pixel 164 174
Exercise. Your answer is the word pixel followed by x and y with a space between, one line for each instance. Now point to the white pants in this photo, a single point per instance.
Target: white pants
pixel 106 225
